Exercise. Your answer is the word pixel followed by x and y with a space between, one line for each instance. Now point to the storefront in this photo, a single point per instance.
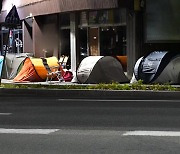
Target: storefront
pixel 91 28
pixel 99 33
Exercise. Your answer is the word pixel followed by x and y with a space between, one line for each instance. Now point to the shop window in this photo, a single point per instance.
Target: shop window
pixel 65 44
pixel 83 43
pixel 83 20
pixel 14 44
pixel 100 17
pixel 112 41
pixel 114 16
pixel 65 37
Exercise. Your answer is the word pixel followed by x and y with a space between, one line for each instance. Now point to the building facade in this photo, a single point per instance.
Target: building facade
pixel 86 28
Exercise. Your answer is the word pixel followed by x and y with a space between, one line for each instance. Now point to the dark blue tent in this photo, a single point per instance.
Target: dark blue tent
pixel 158 67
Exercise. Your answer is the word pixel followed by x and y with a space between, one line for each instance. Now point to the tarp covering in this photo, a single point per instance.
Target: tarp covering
pixel 158 67
pixel 34 70
pixel 99 69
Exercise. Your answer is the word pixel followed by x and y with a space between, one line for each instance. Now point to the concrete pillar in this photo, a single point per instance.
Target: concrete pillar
pixel 73 41
pixel 45 36
pixel 27 37
pixel 134 40
pixel 37 38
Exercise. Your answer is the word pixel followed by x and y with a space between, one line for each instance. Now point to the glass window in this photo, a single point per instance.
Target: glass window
pixel 100 17
pixel 15 42
pixel 83 43
pixel 83 19
pixel 114 16
pixel 65 44
pixel 113 41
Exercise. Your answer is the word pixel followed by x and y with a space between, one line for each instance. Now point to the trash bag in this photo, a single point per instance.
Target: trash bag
pixel 68 76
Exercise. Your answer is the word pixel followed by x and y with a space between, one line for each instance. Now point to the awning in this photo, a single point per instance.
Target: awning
pixel 43 7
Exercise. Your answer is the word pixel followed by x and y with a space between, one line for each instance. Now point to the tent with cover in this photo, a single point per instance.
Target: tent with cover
pixel 158 67
pixel 34 70
pixel 100 69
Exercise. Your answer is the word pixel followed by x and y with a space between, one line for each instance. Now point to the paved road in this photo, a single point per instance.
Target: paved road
pixel 36 125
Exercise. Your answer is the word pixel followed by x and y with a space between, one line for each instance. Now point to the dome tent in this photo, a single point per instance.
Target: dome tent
pixel 34 70
pixel 158 67
pixel 171 73
pixel 13 64
pixel 99 69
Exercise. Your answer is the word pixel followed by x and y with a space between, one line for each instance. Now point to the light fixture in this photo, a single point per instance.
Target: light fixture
pixel 30 14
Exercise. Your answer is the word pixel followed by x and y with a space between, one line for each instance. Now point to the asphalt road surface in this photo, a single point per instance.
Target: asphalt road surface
pixel 69 126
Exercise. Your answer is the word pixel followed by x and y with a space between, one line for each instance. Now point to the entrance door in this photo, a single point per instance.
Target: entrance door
pixel 94 41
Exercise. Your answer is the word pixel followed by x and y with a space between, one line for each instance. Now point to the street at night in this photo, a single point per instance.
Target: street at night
pixel 37 125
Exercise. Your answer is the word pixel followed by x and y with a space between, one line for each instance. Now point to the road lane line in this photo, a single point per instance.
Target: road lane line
pixel 27 131
pixel 153 133
pixel 118 100
pixel 5 114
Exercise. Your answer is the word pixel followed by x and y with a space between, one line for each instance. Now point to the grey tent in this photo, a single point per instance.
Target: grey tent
pixel 158 67
pixel 99 69
pixel 171 73
pixel 12 64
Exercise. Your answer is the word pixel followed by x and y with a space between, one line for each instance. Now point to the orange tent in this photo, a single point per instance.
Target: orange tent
pixel 123 61
pixel 34 70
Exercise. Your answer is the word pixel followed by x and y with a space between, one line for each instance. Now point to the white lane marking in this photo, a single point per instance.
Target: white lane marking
pixel 5 114
pixel 89 132
pixel 153 133
pixel 27 131
pixel 120 100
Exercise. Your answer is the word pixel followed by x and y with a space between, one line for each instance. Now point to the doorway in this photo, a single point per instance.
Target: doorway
pixel 94 41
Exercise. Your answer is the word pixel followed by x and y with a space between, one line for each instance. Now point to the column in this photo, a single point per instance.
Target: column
pixel 73 41
pixel 134 40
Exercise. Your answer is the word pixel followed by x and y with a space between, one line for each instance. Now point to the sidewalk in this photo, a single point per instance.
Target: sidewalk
pixel 39 83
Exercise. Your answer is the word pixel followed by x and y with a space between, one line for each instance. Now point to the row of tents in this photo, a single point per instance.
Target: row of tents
pixel 23 67
pixel 93 69
pixel 156 67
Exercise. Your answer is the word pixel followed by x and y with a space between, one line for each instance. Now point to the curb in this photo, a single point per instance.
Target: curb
pixel 91 94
